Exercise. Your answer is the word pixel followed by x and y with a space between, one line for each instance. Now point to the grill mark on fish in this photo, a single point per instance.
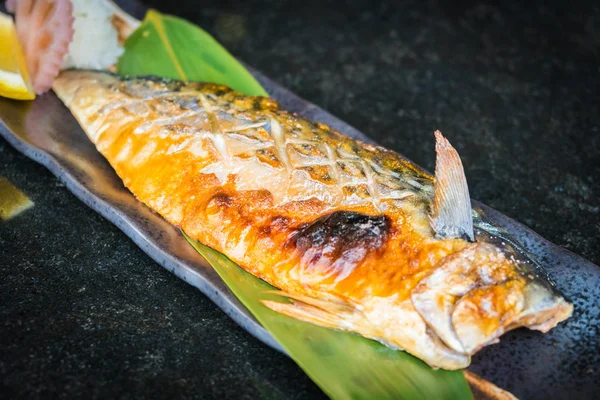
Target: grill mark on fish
pixel 325 170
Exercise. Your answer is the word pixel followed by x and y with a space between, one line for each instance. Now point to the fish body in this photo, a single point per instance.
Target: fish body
pixel 357 237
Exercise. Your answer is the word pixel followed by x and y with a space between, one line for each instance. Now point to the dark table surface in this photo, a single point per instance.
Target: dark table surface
pixel 516 89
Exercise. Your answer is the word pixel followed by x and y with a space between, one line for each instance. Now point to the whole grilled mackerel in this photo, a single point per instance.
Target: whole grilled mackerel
pixel 356 236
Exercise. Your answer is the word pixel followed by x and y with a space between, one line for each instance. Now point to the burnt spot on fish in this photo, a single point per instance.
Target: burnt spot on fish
pixel 221 200
pixel 221 91
pixel 280 223
pixel 339 241
pixel 257 104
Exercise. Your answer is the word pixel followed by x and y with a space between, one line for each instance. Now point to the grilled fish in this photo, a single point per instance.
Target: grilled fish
pixel 357 237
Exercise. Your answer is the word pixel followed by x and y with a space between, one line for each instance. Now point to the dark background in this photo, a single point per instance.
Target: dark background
pixel 516 89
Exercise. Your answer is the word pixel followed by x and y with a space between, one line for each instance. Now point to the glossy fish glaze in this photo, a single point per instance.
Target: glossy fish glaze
pixel 342 227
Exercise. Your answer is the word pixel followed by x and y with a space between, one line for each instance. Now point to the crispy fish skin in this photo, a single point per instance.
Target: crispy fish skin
pixel 343 228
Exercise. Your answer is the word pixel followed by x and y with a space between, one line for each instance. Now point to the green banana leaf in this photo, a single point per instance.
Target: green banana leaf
pixel 344 365
pixel 171 47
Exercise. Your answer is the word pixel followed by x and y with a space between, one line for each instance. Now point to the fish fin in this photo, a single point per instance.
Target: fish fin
pixel 308 309
pixel 451 215
pixel 337 307
pixel 304 312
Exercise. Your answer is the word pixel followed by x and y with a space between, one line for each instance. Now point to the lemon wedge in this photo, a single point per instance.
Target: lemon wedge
pixel 14 79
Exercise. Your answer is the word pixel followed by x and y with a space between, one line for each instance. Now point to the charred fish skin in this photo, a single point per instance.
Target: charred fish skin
pixel 359 238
